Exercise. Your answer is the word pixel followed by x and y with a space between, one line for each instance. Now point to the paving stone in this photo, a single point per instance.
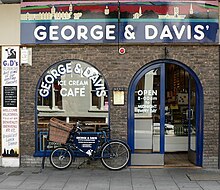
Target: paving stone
pixel 191 188
pixel 138 182
pixel 188 185
pixel 32 183
pixel 145 188
pixel 12 182
pixel 113 187
pixel 89 179
pixel 77 186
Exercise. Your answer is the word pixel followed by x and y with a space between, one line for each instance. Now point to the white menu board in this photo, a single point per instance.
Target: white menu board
pixel 10 101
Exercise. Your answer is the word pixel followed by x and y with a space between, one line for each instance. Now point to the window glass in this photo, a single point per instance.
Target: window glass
pixel 71 91
pixel 147 113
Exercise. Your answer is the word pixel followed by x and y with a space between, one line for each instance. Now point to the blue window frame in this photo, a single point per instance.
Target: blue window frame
pixel 77 91
pixel 199 105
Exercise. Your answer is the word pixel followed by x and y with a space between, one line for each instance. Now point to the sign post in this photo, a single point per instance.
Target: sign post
pixel 10 106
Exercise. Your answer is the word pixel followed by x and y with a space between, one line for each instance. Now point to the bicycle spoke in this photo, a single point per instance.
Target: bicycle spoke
pixel 61 158
pixel 115 155
pixel 122 153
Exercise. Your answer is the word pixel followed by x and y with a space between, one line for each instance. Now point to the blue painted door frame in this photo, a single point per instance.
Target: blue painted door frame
pixel 160 64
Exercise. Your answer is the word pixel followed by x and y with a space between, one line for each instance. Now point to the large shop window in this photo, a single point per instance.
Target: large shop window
pixel 71 90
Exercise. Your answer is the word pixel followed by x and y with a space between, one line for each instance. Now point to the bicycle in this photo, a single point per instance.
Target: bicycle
pixel 114 154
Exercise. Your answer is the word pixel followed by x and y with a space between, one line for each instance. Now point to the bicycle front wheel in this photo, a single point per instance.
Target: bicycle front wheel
pixel 115 155
pixel 61 158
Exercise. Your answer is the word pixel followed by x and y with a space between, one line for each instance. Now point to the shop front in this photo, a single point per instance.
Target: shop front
pixel 160 94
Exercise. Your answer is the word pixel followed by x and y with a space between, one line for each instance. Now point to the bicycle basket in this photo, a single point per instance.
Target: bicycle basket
pixel 59 130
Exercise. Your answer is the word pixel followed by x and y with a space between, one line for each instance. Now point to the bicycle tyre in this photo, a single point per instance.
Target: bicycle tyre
pixel 61 158
pixel 115 155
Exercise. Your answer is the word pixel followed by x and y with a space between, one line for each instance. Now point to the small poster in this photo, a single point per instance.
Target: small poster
pixel 118 97
pixel 10 96
pixel 10 101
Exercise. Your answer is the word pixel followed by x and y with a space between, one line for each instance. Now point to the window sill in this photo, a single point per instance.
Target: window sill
pixel 99 111
pixel 50 110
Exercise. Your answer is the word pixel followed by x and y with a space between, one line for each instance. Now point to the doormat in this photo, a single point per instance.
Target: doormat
pixel 15 173
pixel 204 176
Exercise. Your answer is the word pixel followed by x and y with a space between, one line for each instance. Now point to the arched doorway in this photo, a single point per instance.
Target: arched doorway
pixel 70 90
pixel 165 115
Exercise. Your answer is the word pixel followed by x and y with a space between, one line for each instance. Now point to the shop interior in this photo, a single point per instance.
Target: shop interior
pixel 180 107
pixel 180 101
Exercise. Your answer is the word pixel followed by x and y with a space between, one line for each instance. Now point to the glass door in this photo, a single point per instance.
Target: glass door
pixel 191 115
pixel 165 114
pixel 148 108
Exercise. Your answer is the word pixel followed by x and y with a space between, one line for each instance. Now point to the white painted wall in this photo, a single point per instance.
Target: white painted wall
pixel 9 35
pixel 9 24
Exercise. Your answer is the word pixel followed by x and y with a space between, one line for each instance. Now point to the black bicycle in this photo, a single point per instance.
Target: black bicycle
pixel 114 154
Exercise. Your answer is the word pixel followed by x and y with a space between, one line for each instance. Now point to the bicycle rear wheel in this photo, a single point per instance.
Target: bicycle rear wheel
pixel 61 158
pixel 115 155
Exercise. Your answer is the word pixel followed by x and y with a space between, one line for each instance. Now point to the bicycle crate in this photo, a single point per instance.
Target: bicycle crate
pixel 59 130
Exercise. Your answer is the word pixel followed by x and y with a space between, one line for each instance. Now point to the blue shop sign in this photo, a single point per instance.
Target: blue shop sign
pixel 119 22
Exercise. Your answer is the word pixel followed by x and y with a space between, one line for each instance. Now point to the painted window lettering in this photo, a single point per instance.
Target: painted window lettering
pixel 68 87
pixel 72 92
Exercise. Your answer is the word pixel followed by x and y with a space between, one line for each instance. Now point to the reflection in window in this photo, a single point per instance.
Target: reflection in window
pixel 99 103
pixel 71 91
pixel 53 100
pixel 57 96
pixel 47 101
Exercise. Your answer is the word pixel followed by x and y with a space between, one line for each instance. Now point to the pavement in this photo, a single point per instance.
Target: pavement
pixel 29 178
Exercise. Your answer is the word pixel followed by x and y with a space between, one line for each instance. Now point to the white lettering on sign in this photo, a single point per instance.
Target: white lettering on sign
pixel 110 32
pixel 68 32
pixel 98 32
pixel 129 32
pixel 81 32
pixel 39 33
pixel 71 35
pixel 151 32
pixel 53 33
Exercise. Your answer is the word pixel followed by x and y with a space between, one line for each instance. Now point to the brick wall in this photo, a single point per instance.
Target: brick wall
pixel 118 71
